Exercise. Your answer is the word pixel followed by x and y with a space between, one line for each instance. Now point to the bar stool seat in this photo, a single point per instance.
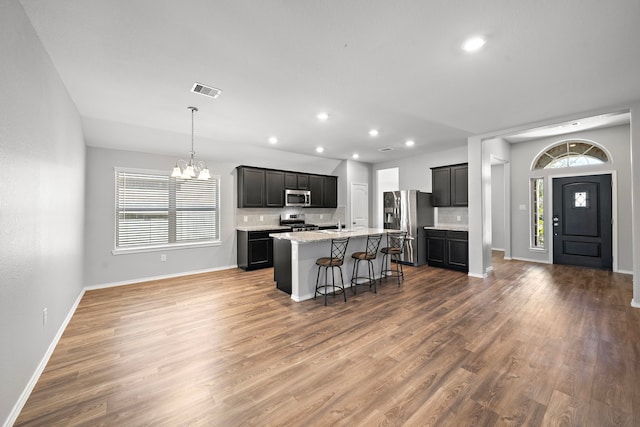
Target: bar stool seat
pixel 393 252
pixel 371 252
pixel 336 259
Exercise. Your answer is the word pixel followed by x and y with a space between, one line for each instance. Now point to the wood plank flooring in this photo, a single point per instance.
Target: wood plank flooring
pixel 532 345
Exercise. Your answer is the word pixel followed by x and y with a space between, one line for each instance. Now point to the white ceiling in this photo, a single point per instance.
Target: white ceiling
pixel 395 66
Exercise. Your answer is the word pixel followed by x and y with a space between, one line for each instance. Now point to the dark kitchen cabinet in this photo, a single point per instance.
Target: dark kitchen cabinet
pixel 316 185
pixel 448 249
pixel 255 249
pixel 274 189
pixel 296 181
pixel 330 192
pixel 251 187
pixel 264 188
pixel 449 185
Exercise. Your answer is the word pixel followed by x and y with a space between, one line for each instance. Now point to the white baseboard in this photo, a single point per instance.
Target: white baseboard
pixel 15 412
pixel 635 304
pixel 17 408
pixel 148 279
pixel 498 249
pixel 479 276
pixel 623 272
pixel 531 260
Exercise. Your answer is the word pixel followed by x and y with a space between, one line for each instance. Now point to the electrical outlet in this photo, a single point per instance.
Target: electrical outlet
pixel 44 316
pixel 321 216
pixel 163 257
pixel 261 218
pixel 458 218
pixel 246 218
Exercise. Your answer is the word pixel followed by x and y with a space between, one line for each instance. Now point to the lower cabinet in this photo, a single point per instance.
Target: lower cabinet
pixel 448 249
pixel 255 249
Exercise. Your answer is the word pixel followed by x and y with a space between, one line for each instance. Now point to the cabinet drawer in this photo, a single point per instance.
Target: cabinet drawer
pixel 254 235
pixel 458 235
pixel 436 233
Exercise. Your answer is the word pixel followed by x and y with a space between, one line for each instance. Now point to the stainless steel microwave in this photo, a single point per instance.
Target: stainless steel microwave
pixel 299 198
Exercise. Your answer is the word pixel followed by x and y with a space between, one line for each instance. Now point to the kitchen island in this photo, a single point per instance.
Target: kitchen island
pixel 295 254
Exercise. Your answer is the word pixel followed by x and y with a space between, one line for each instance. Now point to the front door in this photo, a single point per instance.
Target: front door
pixel 582 233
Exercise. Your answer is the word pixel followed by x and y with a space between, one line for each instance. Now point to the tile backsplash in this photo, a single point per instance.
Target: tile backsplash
pixel 270 216
pixel 449 216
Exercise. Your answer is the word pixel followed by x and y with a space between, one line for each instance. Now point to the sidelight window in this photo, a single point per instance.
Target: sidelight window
pixel 154 210
pixel 537 213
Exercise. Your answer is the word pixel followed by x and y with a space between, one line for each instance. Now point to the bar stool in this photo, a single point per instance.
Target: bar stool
pixel 338 250
pixel 373 243
pixel 393 252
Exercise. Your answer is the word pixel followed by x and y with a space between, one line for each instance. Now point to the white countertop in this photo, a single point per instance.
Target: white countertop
pixel 262 227
pixel 322 235
pixel 449 227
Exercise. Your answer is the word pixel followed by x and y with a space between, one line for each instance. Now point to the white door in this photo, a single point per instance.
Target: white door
pixel 359 205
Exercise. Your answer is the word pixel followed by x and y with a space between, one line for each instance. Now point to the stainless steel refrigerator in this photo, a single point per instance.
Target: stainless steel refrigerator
pixel 410 211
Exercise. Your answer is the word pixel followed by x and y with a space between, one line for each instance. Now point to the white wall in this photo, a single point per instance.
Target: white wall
pixel 497 207
pixel 616 141
pixel 42 155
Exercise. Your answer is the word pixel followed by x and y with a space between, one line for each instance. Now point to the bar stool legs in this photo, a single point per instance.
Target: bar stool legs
pixel 338 250
pixel 393 252
pixel 373 243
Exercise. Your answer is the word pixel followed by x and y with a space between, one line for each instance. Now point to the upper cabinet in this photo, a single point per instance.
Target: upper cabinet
pixel 450 185
pixel 296 181
pixel 274 189
pixel 264 188
pixel 251 187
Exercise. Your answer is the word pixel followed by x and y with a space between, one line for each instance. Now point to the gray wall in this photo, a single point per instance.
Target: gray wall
pixel 497 207
pixel 616 141
pixel 42 155
pixel 104 268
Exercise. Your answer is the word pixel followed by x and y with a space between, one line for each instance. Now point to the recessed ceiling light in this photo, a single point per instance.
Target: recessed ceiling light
pixel 373 132
pixel 355 155
pixel 273 140
pixel 319 149
pixel 322 116
pixel 409 143
pixel 473 44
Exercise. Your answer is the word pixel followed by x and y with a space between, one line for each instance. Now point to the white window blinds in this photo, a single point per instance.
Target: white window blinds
pixel 155 210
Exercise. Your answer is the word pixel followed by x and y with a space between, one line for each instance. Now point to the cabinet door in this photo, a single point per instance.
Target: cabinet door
pixel 303 181
pixel 330 196
pixel 274 189
pixel 459 185
pixel 441 186
pixel 291 181
pixel 260 253
pixel 436 249
pixel 251 188
pixel 316 185
pixel 458 254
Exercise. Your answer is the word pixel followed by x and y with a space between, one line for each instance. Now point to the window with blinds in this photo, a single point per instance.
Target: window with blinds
pixel 156 210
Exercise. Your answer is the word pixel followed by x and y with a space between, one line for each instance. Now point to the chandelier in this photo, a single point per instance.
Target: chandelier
pixel 192 168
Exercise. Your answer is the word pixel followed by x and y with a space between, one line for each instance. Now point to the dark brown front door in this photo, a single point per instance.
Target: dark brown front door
pixel 582 221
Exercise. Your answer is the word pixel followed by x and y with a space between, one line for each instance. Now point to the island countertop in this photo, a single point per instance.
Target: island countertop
pixel 322 235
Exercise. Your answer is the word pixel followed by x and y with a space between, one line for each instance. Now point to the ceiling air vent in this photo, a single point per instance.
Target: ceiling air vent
pixel 385 149
pixel 205 90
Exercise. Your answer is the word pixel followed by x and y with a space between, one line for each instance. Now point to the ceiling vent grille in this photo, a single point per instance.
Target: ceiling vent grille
pixel 205 90
pixel 385 149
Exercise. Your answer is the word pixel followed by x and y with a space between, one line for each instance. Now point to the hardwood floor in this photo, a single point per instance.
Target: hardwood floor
pixel 530 345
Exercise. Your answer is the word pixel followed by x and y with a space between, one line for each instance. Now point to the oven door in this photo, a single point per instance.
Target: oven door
pixel 300 198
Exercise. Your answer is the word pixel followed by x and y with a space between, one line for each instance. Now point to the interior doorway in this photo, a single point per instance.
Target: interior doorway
pixel 359 205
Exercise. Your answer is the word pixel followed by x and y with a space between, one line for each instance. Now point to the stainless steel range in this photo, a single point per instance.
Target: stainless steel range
pixel 296 222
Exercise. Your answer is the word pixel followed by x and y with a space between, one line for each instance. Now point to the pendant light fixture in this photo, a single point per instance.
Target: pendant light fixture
pixel 192 168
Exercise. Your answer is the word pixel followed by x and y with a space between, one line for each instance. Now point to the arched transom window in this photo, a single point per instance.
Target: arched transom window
pixel 571 153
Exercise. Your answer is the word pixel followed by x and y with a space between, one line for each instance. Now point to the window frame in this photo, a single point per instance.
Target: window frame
pixel 171 214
